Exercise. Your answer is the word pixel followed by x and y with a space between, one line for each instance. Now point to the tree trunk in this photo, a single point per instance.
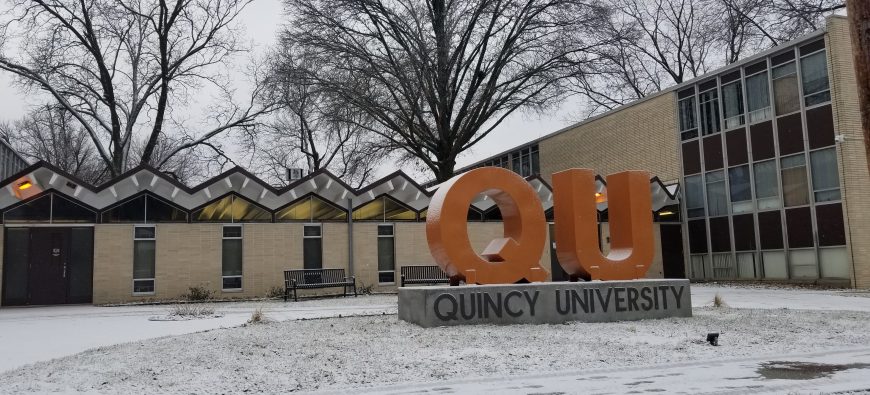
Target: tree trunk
pixel 859 18
pixel 445 170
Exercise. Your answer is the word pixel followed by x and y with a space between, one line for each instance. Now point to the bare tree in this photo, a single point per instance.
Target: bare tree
pixel 859 25
pixel 52 134
pixel 313 128
pixel 116 65
pixel 437 76
pixel 667 42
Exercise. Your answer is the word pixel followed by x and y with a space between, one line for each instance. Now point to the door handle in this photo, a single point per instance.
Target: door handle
pixel 64 270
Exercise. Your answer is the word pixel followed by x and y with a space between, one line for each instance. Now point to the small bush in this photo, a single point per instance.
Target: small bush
pixel 364 289
pixel 191 310
pixel 718 301
pixel 276 292
pixel 198 294
pixel 258 317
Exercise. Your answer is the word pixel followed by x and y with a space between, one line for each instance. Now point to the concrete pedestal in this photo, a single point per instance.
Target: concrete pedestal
pixel 545 303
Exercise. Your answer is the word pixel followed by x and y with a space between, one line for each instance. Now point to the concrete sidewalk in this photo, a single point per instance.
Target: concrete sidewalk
pixel 834 371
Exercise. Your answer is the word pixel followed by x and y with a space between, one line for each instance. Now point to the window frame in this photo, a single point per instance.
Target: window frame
pixel 318 236
pixel 241 256
pixel 153 280
pixel 392 236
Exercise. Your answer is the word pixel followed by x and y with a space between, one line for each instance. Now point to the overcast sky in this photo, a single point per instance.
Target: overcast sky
pixel 263 19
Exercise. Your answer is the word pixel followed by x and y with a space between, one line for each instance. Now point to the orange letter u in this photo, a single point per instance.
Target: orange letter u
pixel 631 228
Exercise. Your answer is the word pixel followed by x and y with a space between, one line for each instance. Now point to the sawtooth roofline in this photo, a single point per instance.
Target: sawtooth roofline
pixel 323 184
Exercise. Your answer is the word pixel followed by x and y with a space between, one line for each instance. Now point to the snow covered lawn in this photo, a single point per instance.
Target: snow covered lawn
pixel 32 334
pixel 338 353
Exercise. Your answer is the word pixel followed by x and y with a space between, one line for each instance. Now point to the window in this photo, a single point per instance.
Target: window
pixel 694 196
pixel 710 112
pixel 758 97
pixel 143 209
pixel 386 254
pixel 384 209
pixel 232 208
pixel 741 192
pixel 312 247
pixel 794 180
pixel 732 104
pixel 814 77
pixel 231 258
pixel 311 209
pixel 766 185
pixel 51 208
pixel 688 126
pixel 717 203
pixel 826 179
pixel 144 243
pixel 785 89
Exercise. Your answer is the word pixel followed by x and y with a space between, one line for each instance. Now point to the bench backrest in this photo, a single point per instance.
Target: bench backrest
pixel 424 272
pixel 315 276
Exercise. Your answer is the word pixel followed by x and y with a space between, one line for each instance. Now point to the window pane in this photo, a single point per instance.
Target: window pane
pixel 67 210
pixel 371 211
pixel 785 89
pixel 217 211
pixel 694 196
pixel 386 254
pixel 232 282
pixel 826 180
pixel 687 114
pixel 710 112
pixel 312 253
pixel 132 211
pixel 232 231
pixel 814 73
pixel 312 231
pixel 245 211
pixel 794 181
pixel 144 232
pixel 143 286
pixel 393 211
pixel 311 208
pixel 766 185
pixel 232 257
pixel 803 264
pixel 829 218
pixel 388 230
pixel 143 259
pixel 741 193
pixel 834 263
pixel 732 104
pixel 758 97
pixel 717 203
pixel 161 211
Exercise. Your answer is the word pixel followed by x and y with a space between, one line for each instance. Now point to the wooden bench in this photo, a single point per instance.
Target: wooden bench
pixel 316 278
pixel 423 275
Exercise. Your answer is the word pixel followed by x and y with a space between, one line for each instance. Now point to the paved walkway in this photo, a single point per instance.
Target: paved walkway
pixel 845 370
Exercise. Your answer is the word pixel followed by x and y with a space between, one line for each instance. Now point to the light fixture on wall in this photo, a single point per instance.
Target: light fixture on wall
pixel 666 213
pixel 24 185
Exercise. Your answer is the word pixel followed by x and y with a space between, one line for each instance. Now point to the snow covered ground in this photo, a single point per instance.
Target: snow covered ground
pixel 32 334
pixel 126 353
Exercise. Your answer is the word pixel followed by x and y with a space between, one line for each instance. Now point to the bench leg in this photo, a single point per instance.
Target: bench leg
pixel 286 293
pixel 295 296
pixel 354 289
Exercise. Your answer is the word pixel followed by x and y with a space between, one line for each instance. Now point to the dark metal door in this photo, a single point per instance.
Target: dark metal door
pixel 673 262
pixel 49 253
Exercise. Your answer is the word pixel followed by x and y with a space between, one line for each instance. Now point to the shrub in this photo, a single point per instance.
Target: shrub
pixel 718 301
pixel 364 289
pixel 191 310
pixel 276 292
pixel 198 293
pixel 258 317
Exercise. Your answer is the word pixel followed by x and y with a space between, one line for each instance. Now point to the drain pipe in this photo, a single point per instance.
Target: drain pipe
pixel 350 237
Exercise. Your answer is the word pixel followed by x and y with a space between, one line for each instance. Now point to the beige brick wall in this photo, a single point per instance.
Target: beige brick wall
pixel 853 156
pixel 642 136
pixel 2 257
pixel 190 255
